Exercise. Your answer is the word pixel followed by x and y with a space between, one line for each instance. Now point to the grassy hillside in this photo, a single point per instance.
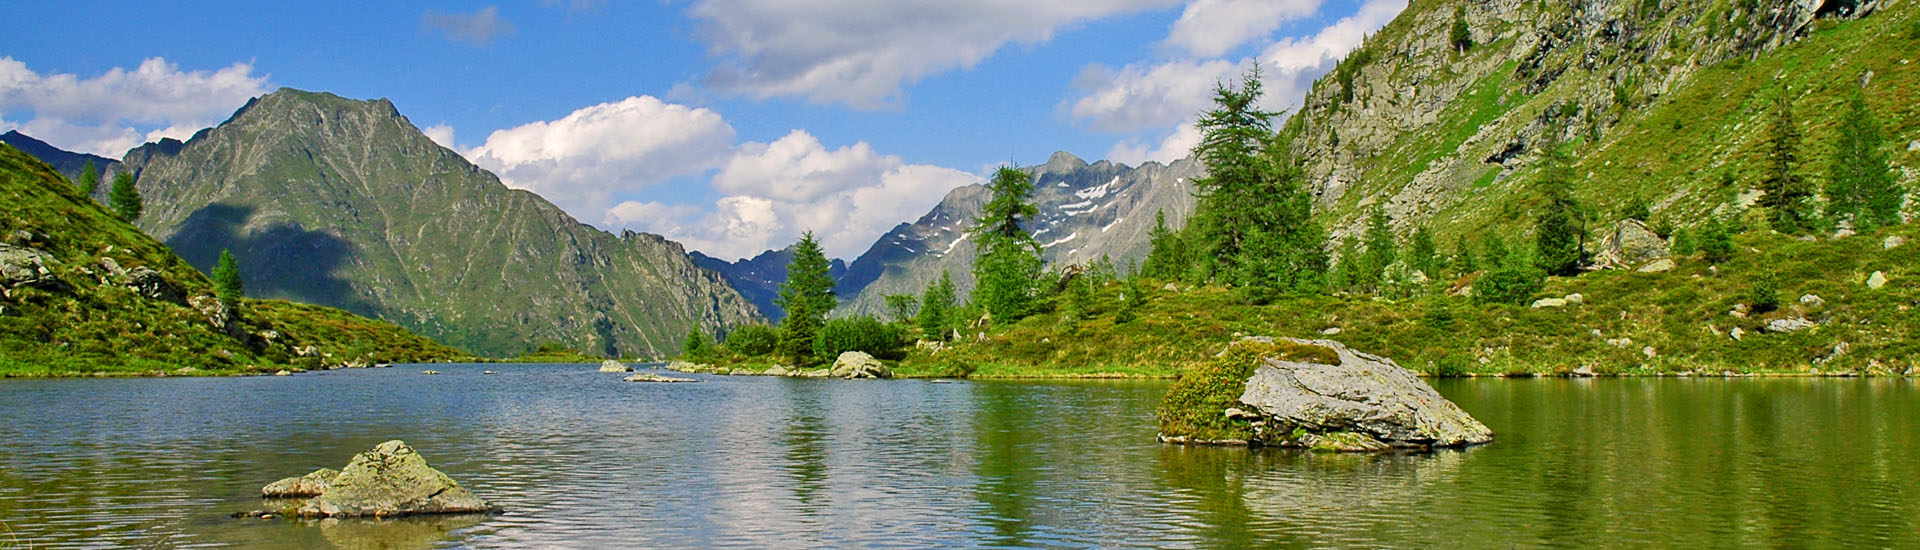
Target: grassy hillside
pixel 86 293
pixel 1685 316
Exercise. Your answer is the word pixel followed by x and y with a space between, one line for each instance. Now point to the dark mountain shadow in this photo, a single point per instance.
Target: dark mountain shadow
pixel 284 261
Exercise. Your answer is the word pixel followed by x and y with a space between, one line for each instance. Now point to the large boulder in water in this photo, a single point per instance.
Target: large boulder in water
pixel 392 480
pixel 858 364
pixel 310 485
pixel 1314 394
pixel 614 366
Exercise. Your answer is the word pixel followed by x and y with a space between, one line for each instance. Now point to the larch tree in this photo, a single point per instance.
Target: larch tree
pixel 806 296
pixel 1007 266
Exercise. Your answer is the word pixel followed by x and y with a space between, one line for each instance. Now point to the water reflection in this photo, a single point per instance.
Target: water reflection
pixel 582 460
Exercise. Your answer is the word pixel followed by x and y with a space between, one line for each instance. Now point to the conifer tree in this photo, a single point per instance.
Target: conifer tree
pixel 697 346
pixel 1231 135
pixel 124 198
pixel 1463 259
pixel 936 308
pixel 1560 231
pixel 1422 255
pixel 89 180
pixel 1787 196
pixel 1381 251
pixel 901 307
pixel 1167 258
pixel 1008 261
pixel 1459 35
pixel 806 296
pixel 1860 183
pixel 226 279
pixel 1716 241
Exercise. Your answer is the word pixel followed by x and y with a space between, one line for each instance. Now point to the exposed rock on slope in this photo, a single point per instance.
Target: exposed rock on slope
pixel 345 203
pixel 1086 211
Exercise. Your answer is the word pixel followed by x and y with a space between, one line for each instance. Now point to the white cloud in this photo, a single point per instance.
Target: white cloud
pixel 1214 27
pixel 119 109
pixel 1139 97
pixel 1175 146
pixel 1162 99
pixel 441 134
pixel 477 28
pixel 860 53
pixel 581 160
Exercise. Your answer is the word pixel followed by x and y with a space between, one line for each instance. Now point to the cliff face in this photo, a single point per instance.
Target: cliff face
pixel 345 203
pixel 1659 101
pixel 1086 211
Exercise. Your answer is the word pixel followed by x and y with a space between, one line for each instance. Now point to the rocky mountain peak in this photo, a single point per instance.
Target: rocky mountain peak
pixel 1062 161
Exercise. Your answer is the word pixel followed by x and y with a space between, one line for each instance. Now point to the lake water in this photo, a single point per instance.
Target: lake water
pixel 580 459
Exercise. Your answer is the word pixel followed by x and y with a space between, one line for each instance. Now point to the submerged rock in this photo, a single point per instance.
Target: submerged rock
pixel 855 364
pixel 392 480
pixel 310 485
pixel 614 366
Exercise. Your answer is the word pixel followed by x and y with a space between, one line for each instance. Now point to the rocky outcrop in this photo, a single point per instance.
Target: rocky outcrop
pixel 310 485
pixel 1630 245
pixel 24 266
pixel 856 364
pixel 392 480
pixel 614 366
pixel 1363 403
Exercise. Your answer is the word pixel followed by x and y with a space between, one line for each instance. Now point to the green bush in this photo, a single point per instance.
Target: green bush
pixel 1437 314
pixel 752 340
pixel 865 334
pixel 1764 295
pixel 1514 283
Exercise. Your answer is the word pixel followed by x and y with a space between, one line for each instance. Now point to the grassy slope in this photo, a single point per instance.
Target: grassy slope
pixel 1682 314
pixel 83 325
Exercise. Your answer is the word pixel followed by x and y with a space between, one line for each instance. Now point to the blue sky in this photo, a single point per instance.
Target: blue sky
pixel 729 125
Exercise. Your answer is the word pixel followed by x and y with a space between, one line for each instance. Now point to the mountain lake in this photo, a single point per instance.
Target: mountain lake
pixel 580 459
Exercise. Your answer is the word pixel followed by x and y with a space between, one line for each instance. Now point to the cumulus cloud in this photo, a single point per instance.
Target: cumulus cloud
pixel 1214 27
pixel 441 134
pixel 117 110
pixel 477 28
pixel 860 53
pixel 1162 99
pixel 581 160
pixel 774 191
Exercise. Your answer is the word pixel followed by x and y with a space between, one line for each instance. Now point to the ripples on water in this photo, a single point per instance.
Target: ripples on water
pixel 582 460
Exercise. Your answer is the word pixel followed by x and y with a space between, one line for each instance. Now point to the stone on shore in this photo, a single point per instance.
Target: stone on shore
pixel 856 364
pixel 392 480
pixel 651 377
pixel 310 485
pixel 778 370
pixel 614 366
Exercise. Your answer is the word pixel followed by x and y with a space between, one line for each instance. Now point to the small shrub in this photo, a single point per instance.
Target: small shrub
pixel 1683 242
pixel 1716 241
pixel 1514 283
pixel 752 340
pixel 1437 314
pixel 864 334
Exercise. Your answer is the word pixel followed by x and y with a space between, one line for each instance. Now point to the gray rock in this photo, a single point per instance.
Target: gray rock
pixel 856 364
pixel 24 266
pixel 1736 333
pixel 429 372
pixel 1585 371
pixel 1549 302
pixel 310 485
pixel 1876 280
pixel 1811 300
pixel 1330 331
pixel 778 370
pixel 148 283
pixel 1657 266
pixel 614 366
pixel 1631 244
pixel 651 377
pixel 1892 242
pixel 1575 298
pixel 392 480
pixel 1365 398
pixel 1791 324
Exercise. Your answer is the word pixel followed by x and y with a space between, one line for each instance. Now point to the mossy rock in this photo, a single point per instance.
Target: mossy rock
pixel 1195 407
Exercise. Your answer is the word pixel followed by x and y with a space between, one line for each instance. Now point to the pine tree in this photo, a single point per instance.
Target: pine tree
pixel 901 307
pixel 936 308
pixel 1422 255
pixel 1560 231
pixel 1861 185
pixel 1463 258
pixel 807 296
pixel 1284 249
pixel 1167 258
pixel 1460 36
pixel 124 198
pixel 89 180
pixel 1498 255
pixel 1716 241
pixel 1787 196
pixel 1231 136
pixel 698 346
pixel 1381 252
pixel 226 279
pixel 1008 263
